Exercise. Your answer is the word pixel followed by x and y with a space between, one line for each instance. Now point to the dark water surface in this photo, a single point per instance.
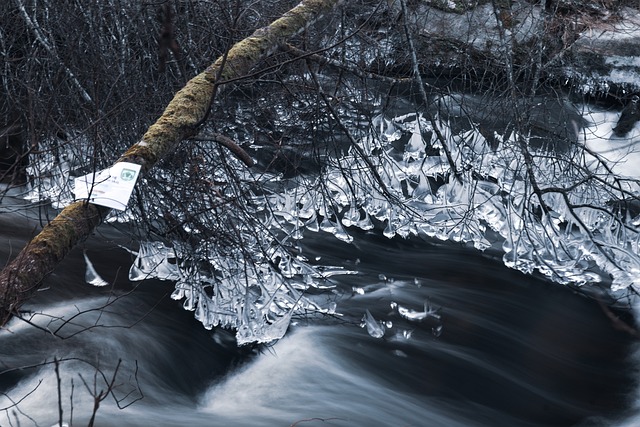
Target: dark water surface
pixel 511 351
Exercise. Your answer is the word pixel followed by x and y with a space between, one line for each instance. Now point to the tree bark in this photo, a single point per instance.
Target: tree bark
pixel 22 277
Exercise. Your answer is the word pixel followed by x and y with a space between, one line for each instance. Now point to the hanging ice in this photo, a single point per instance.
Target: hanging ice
pixel 374 328
pixel 153 261
pixel 91 276
pixel 264 332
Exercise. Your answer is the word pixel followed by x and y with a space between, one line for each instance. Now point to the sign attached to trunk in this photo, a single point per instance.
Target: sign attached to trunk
pixel 109 187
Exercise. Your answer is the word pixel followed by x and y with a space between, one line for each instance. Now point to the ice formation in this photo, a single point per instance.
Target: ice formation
pixel 374 327
pixel 91 275
pixel 566 233
pixel 399 180
pixel 251 297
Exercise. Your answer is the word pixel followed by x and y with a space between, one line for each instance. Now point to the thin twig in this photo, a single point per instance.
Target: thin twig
pixel 56 364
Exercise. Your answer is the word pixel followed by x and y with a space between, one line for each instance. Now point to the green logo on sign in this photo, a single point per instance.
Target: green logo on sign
pixel 128 174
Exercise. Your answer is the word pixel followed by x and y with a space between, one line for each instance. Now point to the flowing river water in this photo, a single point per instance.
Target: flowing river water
pixel 499 349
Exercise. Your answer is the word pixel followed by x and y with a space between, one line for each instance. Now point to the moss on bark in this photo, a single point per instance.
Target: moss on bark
pixel 20 279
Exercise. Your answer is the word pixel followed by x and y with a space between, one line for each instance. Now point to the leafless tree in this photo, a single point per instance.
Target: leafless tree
pixel 102 386
pixel 376 117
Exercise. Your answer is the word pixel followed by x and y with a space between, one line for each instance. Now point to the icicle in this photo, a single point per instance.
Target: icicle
pixel 327 225
pixel 312 223
pixel 277 329
pixel 297 233
pixel 286 269
pixel 390 229
pixel 153 262
pixel 374 328
pixel 91 276
pixel 341 234
pixel 352 216
pixel 365 223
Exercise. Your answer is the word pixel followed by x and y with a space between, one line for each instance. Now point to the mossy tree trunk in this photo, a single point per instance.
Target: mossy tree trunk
pixel 21 278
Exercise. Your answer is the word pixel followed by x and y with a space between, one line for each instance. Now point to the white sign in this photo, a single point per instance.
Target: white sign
pixel 110 187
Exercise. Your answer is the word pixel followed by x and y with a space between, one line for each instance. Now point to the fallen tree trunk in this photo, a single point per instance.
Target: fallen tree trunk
pixel 21 278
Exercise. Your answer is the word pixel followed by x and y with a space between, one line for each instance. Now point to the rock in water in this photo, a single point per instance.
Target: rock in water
pixel 630 115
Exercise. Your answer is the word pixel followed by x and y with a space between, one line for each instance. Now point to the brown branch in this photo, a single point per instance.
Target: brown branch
pixel 56 365
pixel 229 143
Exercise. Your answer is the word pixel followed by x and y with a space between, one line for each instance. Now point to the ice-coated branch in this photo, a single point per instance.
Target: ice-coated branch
pixel 21 278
